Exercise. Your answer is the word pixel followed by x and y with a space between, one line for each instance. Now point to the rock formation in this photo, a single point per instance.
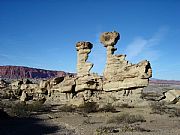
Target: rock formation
pixel 20 72
pixel 119 77
pixel 3 84
pixel 122 82
pixel 23 96
pixel 172 96
pixel 83 49
pixel 119 74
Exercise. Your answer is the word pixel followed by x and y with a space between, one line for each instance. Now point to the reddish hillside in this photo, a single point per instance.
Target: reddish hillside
pixel 157 81
pixel 16 72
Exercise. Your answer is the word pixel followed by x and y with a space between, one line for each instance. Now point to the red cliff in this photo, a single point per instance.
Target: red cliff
pixel 17 72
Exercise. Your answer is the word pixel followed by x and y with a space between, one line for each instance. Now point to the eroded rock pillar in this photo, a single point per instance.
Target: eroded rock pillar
pixel 119 74
pixel 83 49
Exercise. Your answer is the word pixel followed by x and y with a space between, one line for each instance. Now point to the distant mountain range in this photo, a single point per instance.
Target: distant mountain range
pixel 18 72
pixel 159 81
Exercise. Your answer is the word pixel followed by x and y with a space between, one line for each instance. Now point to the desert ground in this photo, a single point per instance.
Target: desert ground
pixel 155 118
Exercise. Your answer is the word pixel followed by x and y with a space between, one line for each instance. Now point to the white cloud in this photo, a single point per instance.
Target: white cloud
pixel 136 47
pixel 141 47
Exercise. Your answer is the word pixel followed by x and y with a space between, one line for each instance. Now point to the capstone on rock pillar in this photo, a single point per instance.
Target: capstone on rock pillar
pixel 83 49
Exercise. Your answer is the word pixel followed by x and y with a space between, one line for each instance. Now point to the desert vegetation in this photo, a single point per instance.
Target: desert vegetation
pixel 126 118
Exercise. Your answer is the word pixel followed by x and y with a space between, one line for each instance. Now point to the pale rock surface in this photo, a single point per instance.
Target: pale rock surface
pixel 172 96
pixel 66 86
pixel 83 49
pixel 122 82
pixel 3 84
pixel 119 74
pixel 23 96
pixel 16 84
pixel 89 82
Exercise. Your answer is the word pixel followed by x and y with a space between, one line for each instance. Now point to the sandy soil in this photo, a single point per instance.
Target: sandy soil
pixel 88 124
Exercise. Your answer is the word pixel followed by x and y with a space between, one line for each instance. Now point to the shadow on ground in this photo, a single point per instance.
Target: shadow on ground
pixel 26 126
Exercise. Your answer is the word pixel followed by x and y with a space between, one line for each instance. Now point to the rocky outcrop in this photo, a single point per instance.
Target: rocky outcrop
pixel 20 72
pixel 119 74
pixel 172 96
pixel 83 49
pixel 3 84
pixel 122 81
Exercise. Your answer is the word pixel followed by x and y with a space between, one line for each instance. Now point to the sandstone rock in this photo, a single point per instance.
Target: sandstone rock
pixel 3 83
pixel 172 96
pixel 29 87
pixel 23 96
pixel 83 49
pixel 89 82
pixel 109 39
pixel 121 83
pixel 44 84
pixel 16 84
pixel 119 74
pixel 56 80
pixel 66 86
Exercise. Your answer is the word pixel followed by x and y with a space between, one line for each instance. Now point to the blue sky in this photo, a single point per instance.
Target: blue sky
pixel 43 33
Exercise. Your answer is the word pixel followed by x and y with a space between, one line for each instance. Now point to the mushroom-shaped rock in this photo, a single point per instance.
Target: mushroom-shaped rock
pixel 119 74
pixel 83 45
pixel 83 49
pixel 109 38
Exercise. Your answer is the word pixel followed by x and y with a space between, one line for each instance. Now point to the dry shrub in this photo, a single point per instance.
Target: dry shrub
pixel 133 128
pixel 161 108
pixel 22 109
pixel 106 130
pixel 67 108
pixel 126 118
pixel 108 108
pixel 88 107
pixel 174 112
pixel 126 106
pixel 158 107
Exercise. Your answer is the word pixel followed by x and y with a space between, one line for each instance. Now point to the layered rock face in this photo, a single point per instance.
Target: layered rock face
pixel 119 77
pixel 119 74
pixel 83 49
pixel 20 72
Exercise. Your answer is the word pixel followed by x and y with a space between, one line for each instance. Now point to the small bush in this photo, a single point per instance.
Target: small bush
pixel 174 112
pixel 177 112
pixel 158 107
pixel 36 106
pixel 88 121
pixel 126 118
pixel 132 128
pixel 67 108
pixel 106 130
pixel 22 109
pixel 126 106
pixel 161 108
pixel 108 108
pixel 89 107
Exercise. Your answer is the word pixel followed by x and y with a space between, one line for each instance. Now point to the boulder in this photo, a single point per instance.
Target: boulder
pixel 3 83
pixel 66 86
pixel 172 96
pixel 23 96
